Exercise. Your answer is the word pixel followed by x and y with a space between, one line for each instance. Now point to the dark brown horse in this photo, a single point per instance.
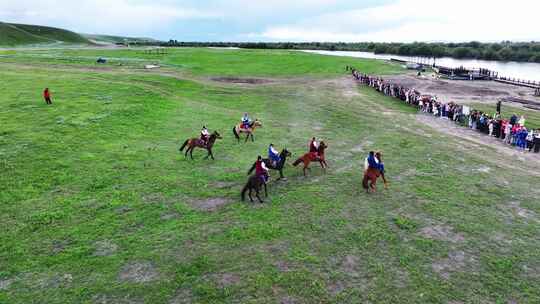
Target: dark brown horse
pixel 254 183
pixel 199 143
pixel 237 130
pixel 279 166
pixel 371 175
pixel 312 156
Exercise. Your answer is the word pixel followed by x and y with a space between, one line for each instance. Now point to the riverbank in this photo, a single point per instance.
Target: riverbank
pixel 510 69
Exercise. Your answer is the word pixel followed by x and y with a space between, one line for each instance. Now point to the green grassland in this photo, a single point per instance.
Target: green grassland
pixel 22 34
pixel 98 206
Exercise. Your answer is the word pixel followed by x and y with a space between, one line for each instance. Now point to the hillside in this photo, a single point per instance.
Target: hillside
pixel 22 34
pixel 115 39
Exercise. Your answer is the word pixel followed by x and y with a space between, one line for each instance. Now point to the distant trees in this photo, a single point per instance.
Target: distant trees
pixel 506 50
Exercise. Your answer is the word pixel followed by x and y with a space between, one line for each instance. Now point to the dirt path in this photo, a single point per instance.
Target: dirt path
pixel 464 91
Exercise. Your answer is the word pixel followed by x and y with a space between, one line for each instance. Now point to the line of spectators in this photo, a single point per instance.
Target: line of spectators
pixel 511 131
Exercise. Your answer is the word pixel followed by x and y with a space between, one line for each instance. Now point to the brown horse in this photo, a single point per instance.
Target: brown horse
pixel 371 175
pixel 312 156
pixel 237 130
pixel 254 183
pixel 199 143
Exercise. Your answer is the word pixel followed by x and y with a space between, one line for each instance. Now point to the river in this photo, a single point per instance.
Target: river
pixel 520 70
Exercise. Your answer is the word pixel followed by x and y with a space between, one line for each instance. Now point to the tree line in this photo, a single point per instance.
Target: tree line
pixel 503 51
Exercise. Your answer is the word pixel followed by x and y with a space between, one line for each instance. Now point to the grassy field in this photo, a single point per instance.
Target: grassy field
pixel 98 206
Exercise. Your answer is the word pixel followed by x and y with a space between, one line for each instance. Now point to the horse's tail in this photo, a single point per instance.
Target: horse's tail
pixel 298 161
pixel 235 133
pixel 365 181
pixel 243 194
pixel 184 145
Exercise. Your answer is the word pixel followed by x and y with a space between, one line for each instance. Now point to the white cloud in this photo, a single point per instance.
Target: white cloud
pixel 104 16
pixel 419 20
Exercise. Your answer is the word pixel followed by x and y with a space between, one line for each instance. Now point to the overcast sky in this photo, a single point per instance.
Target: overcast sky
pixel 287 20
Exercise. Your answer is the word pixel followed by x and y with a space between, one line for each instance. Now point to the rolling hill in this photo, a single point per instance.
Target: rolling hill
pixel 116 39
pixel 21 34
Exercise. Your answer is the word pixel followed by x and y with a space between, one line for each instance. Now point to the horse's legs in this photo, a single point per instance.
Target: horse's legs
pixel 322 166
pixel 247 137
pixel 281 173
pixel 187 150
pixel 265 190
pixel 249 194
pixel 191 152
pixel 211 154
pixel 252 139
pixel 257 195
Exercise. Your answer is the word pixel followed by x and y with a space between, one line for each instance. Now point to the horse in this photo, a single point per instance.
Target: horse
pixel 312 156
pixel 254 183
pixel 279 166
pixel 199 143
pixel 237 130
pixel 370 178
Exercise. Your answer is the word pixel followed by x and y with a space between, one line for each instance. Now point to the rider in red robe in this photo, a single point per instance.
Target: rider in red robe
pixel 314 147
pixel 261 170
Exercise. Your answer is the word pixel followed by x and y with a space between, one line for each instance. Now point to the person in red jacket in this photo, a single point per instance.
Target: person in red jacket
pixel 261 170
pixel 47 96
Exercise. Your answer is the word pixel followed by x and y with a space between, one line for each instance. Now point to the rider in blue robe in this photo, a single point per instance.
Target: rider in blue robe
pixel 273 155
pixel 246 121
pixel 373 163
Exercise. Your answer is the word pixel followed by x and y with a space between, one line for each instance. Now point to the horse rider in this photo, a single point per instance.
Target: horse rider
pixel 373 162
pixel 261 170
pixel 314 146
pixel 205 135
pixel 245 121
pixel 273 155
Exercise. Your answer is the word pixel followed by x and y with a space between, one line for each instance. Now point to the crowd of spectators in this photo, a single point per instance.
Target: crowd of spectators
pixel 511 131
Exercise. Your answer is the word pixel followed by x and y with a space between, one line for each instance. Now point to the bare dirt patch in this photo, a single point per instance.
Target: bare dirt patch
pixel 5 283
pixel 238 80
pixel 441 233
pixel 184 296
pixel 107 299
pixel 456 261
pixel 227 279
pixel 169 216
pixel 350 265
pixel 452 90
pixel 154 198
pixel 288 300
pixel 211 204
pixel 105 248
pixel 54 281
pixel 531 271
pixel 138 272
pixel 283 266
pixel 513 210
pixel 60 245
pixel 483 169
